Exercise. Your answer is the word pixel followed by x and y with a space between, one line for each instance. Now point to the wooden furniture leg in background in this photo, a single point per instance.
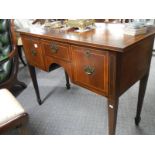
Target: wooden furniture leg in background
pixel 35 83
pixel 112 114
pixel 142 89
pixel 67 80
pixel 20 55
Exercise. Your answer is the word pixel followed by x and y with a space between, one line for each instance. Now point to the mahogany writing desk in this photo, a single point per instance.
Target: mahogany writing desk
pixel 103 60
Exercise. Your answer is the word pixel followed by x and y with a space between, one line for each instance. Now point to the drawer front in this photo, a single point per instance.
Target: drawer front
pixel 90 68
pixel 57 50
pixel 33 51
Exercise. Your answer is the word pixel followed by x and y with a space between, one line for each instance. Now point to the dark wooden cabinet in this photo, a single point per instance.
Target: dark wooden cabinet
pixel 103 60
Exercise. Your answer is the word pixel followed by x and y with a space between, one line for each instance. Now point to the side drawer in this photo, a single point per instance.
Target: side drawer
pixel 56 49
pixel 90 68
pixel 33 51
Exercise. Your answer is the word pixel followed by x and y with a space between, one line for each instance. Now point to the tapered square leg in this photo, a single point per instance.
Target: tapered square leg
pixel 112 115
pixel 67 80
pixel 35 83
pixel 142 89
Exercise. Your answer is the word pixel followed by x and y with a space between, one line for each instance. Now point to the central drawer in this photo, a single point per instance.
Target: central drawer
pixel 56 49
pixel 90 68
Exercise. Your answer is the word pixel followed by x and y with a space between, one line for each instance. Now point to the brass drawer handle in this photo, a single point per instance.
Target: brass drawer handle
pixel 54 48
pixel 89 70
pixel 33 52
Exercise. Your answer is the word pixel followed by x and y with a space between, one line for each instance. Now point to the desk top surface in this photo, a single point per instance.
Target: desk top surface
pixel 107 36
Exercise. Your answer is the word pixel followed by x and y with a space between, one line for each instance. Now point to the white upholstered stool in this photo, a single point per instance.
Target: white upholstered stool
pixel 12 114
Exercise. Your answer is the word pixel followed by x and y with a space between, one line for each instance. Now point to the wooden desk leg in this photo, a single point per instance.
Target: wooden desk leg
pixel 35 83
pixel 112 115
pixel 142 89
pixel 67 80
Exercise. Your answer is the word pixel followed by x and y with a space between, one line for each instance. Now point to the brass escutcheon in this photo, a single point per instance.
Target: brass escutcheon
pixel 54 48
pixel 33 52
pixel 87 53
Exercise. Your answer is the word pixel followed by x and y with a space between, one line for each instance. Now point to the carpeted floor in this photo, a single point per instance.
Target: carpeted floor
pixel 80 112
